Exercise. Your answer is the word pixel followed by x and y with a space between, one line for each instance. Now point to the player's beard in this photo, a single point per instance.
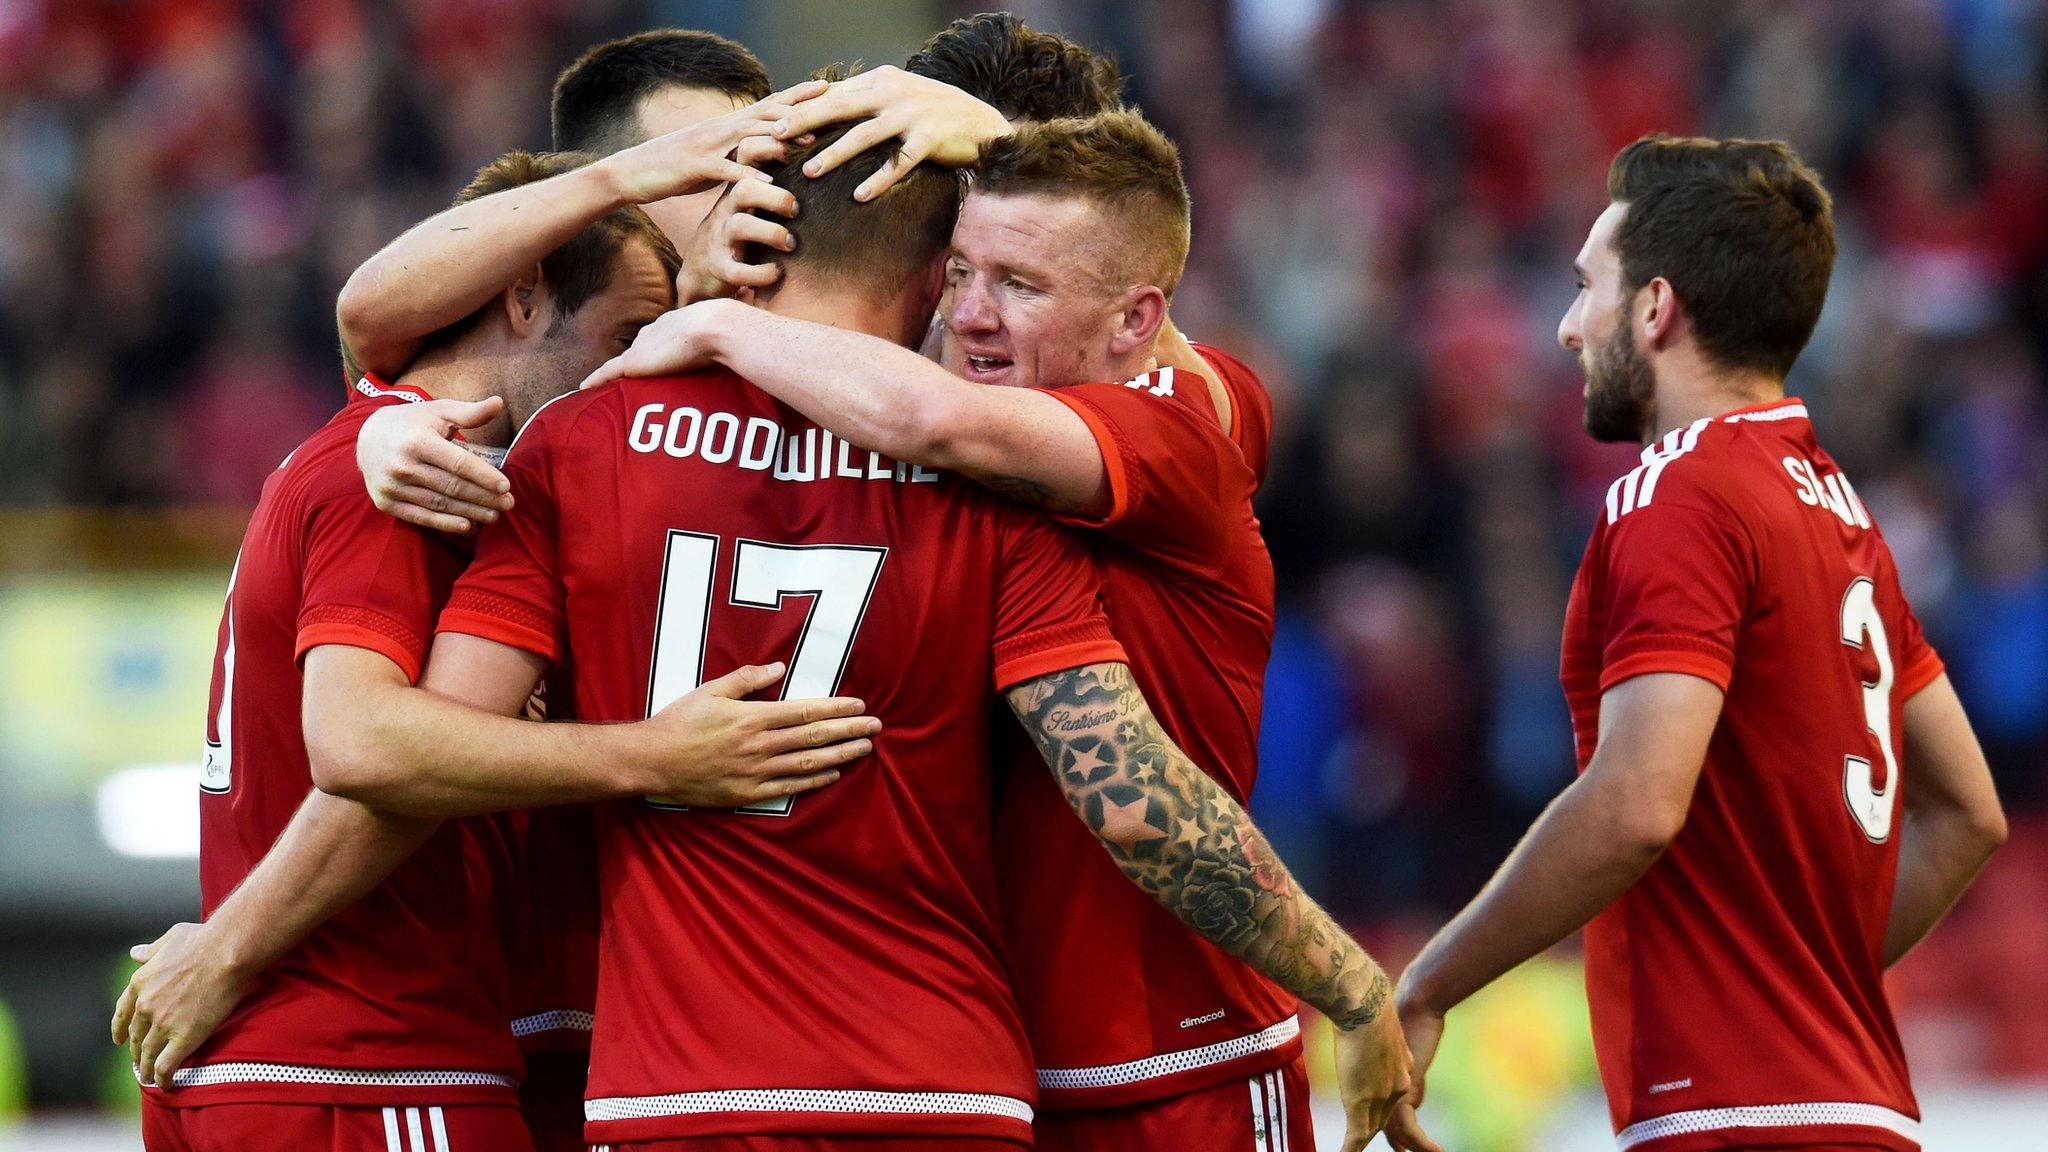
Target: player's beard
pixel 1621 390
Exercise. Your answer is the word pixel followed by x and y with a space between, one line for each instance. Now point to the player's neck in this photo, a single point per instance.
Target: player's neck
pixel 1690 389
pixel 892 320
pixel 446 376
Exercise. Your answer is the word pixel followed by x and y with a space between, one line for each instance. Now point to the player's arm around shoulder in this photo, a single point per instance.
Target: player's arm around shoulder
pixel 1022 442
pixel 1175 833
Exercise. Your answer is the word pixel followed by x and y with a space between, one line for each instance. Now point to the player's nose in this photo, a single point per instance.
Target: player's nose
pixel 973 308
pixel 1568 333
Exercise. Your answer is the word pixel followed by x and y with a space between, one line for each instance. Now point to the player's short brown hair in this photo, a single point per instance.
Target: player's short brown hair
pixel 1118 160
pixel 596 104
pixel 1025 74
pixel 1743 231
pixel 882 244
pixel 583 266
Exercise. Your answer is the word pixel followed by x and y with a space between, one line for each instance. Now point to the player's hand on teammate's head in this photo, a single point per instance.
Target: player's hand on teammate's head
pixel 678 341
pixel 1373 1075
pixel 715 263
pixel 713 748
pixel 706 154
pixel 933 121
pixel 173 1003
pixel 415 472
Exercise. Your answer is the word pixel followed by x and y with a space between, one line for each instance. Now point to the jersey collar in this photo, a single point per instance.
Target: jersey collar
pixel 1789 408
pixel 372 387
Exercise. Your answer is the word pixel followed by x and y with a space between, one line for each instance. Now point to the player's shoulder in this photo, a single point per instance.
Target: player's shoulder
pixel 1691 469
pixel 323 466
pixel 1251 405
pixel 1232 372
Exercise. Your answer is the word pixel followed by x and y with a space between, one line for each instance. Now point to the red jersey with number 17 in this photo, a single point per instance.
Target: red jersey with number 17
pixel 830 964
pixel 402 997
pixel 1124 1002
pixel 1737 989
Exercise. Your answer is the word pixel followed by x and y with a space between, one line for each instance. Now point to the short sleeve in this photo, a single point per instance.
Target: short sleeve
pixel 1677 579
pixel 370 581
pixel 1176 482
pixel 1918 663
pixel 1048 602
pixel 512 592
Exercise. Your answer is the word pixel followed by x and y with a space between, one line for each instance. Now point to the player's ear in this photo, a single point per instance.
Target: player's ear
pixel 524 301
pixel 934 285
pixel 1142 311
pixel 1657 305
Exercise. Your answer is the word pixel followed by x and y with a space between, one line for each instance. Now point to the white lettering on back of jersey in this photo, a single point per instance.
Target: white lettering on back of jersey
pixel 758 444
pixel 1832 492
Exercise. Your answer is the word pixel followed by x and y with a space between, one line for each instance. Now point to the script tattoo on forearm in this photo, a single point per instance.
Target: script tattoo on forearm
pixel 1178 835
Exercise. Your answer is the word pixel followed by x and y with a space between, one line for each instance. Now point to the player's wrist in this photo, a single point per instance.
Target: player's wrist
pixel 605 182
pixel 235 955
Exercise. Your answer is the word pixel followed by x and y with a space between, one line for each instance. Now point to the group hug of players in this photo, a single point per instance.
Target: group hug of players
pixel 506 846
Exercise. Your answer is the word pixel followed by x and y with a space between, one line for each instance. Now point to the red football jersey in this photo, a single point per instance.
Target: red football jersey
pixel 1124 1002
pixel 829 964
pixel 1737 990
pixel 1251 407
pixel 403 996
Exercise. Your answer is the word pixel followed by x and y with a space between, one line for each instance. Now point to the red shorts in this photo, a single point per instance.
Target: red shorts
pixel 818 1144
pixel 1268 1113
pixel 332 1128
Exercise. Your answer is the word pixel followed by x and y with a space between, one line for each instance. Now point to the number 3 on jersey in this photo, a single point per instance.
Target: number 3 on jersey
pixel 839 579
pixel 1870 805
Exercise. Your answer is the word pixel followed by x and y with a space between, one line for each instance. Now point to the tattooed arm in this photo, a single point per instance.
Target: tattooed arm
pixel 1184 840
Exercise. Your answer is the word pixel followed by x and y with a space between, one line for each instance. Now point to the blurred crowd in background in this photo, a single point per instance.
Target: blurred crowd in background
pixel 1388 196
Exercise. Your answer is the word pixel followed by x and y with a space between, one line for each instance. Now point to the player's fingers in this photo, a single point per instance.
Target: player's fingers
pixel 124 1011
pixel 481 511
pixel 790 785
pixel 797 93
pixel 469 413
pixel 1404 1132
pixel 755 151
pixel 743 275
pixel 726 171
pixel 813 761
pixel 844 101
pixel 858 139
pixel 745 680
pixel 893 169
pixel 140 953
pixel 756 196
pixel 747 229
pixel 819 734
pixel 463 490
pixel 446 456
pixel 145 1061
pixel 796 713
pixel 138 1035
pixel 170 1060
pixel 442 522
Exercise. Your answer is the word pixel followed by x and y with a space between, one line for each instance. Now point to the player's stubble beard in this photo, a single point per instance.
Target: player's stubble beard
pixel 1621 390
